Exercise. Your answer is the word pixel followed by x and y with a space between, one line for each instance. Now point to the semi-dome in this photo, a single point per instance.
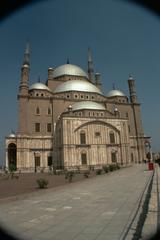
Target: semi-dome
pixel 77 85
pixel 87 105
pixel 115 92
pixel 39 86
pixel 69 69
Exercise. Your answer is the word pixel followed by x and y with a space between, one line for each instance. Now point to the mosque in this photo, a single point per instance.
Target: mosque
pixel 68 122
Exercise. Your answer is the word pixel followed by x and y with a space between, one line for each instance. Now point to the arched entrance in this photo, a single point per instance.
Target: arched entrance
pixel 12 156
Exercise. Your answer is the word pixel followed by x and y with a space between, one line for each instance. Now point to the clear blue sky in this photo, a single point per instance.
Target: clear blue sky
pixel 124 39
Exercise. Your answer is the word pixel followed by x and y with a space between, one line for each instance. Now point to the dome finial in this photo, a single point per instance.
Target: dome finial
pixel 67 60
pixel 130 76
pixel 39 79
pixel 113 86
pixel 12 131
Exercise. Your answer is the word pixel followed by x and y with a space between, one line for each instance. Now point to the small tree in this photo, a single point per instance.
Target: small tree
pixel 69 175
pixel 111 168
pixel 42 183
pixel 118 167
pixel 86 174
pixel 99 171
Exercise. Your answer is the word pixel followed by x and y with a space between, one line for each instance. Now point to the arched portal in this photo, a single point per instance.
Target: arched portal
pixel 12 156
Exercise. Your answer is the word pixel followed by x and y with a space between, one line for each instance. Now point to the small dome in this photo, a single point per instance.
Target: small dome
pixel 25 65
pixel 87 105
pixel 115 92
pixel 39 86
pixel 12 135
pixel 77 85
pixel 69 69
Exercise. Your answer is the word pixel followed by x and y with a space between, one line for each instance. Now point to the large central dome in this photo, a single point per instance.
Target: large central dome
pixel 69 69
pixel 77 85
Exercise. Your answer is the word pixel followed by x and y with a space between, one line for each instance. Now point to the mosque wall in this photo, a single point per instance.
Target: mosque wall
pixel 30 147
pixel 97 146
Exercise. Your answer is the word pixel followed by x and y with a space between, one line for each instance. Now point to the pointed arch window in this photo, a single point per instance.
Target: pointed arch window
pixel 82 138
pixel 37 127
pixel 113 157
pixel 37 160
pixel 83 158
pixel 49 160
pixel 37 111
pixel 132 157
pixel 12 156
pixel 49 127
pixel 49 111
pixel 112 137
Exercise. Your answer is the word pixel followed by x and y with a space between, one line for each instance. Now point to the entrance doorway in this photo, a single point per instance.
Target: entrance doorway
pixel 12 156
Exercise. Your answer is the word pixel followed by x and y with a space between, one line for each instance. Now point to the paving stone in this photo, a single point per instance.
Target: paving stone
pixel 87 210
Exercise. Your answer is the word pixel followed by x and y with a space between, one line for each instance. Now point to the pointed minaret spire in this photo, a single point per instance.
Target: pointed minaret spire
pixel 90 66
pixel 24 83
pixel 26 55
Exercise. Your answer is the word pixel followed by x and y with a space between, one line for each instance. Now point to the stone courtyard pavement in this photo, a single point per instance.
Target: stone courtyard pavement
pixel 99 208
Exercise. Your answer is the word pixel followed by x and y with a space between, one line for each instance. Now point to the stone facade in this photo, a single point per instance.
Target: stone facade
pixel 68 122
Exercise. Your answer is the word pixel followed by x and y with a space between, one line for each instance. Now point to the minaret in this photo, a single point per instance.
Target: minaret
pixel 90 66
pixel 24 84
pixel 23 94
pixel 136 119
pixel 132 89
pixel 98 80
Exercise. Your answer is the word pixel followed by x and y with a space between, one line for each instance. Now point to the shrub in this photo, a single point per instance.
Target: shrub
pixel 111 168
pixel 118 167
pixel 42 183
pixel 106 169
pixel 69 175
pixel 12 168
pixel 86 174
pixel 114 167
pixel 78 169
pixel 99 171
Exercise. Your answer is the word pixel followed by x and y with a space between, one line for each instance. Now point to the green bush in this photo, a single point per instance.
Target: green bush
pixel 86 174
pixel 42 183
pixel 12 168
pixel 118 167
pixel 111 168
pixel 99 171
pixel 69 175
pixel 106 169
pixel 114 167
